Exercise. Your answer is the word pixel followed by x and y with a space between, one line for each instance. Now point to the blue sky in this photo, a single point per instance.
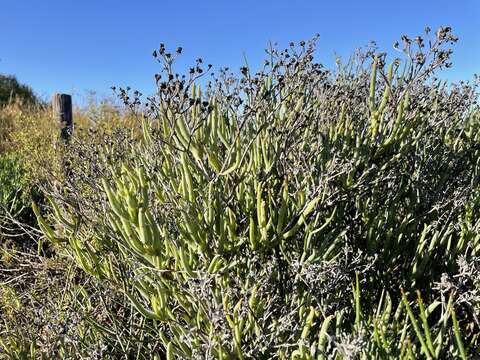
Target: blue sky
pixel 76 46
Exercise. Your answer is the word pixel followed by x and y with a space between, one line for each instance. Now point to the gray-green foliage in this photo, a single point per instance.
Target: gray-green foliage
pixel 292 213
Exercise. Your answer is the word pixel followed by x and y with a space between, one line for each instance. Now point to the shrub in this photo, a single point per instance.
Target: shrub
pixel 11 90
pixel 47 308
pixel 292 213
pixel 5 130
pixel 14 196
pixel 13 182
pixel 34 138
pixel 103 116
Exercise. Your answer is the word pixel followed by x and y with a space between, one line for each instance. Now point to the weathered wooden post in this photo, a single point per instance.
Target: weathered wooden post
pixel 62 110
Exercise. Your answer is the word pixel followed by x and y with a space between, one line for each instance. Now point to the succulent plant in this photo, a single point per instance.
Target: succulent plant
pixel 291 213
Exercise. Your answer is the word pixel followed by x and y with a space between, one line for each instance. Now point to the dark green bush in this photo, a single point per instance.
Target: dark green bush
pixel 11 90
pixel 293 213
pixel 14 192
pixel 18 228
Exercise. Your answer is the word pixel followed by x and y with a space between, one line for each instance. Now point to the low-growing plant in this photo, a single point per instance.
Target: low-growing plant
pixel 33 137
pixel 16 195
pixel 56 317
pixel 295 212
pixel 12 196
pixel 50 310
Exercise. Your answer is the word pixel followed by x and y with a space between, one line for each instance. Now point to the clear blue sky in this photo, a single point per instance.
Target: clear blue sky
pixel 79 45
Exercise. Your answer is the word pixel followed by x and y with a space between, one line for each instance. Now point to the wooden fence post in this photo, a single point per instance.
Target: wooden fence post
pixel 62 110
